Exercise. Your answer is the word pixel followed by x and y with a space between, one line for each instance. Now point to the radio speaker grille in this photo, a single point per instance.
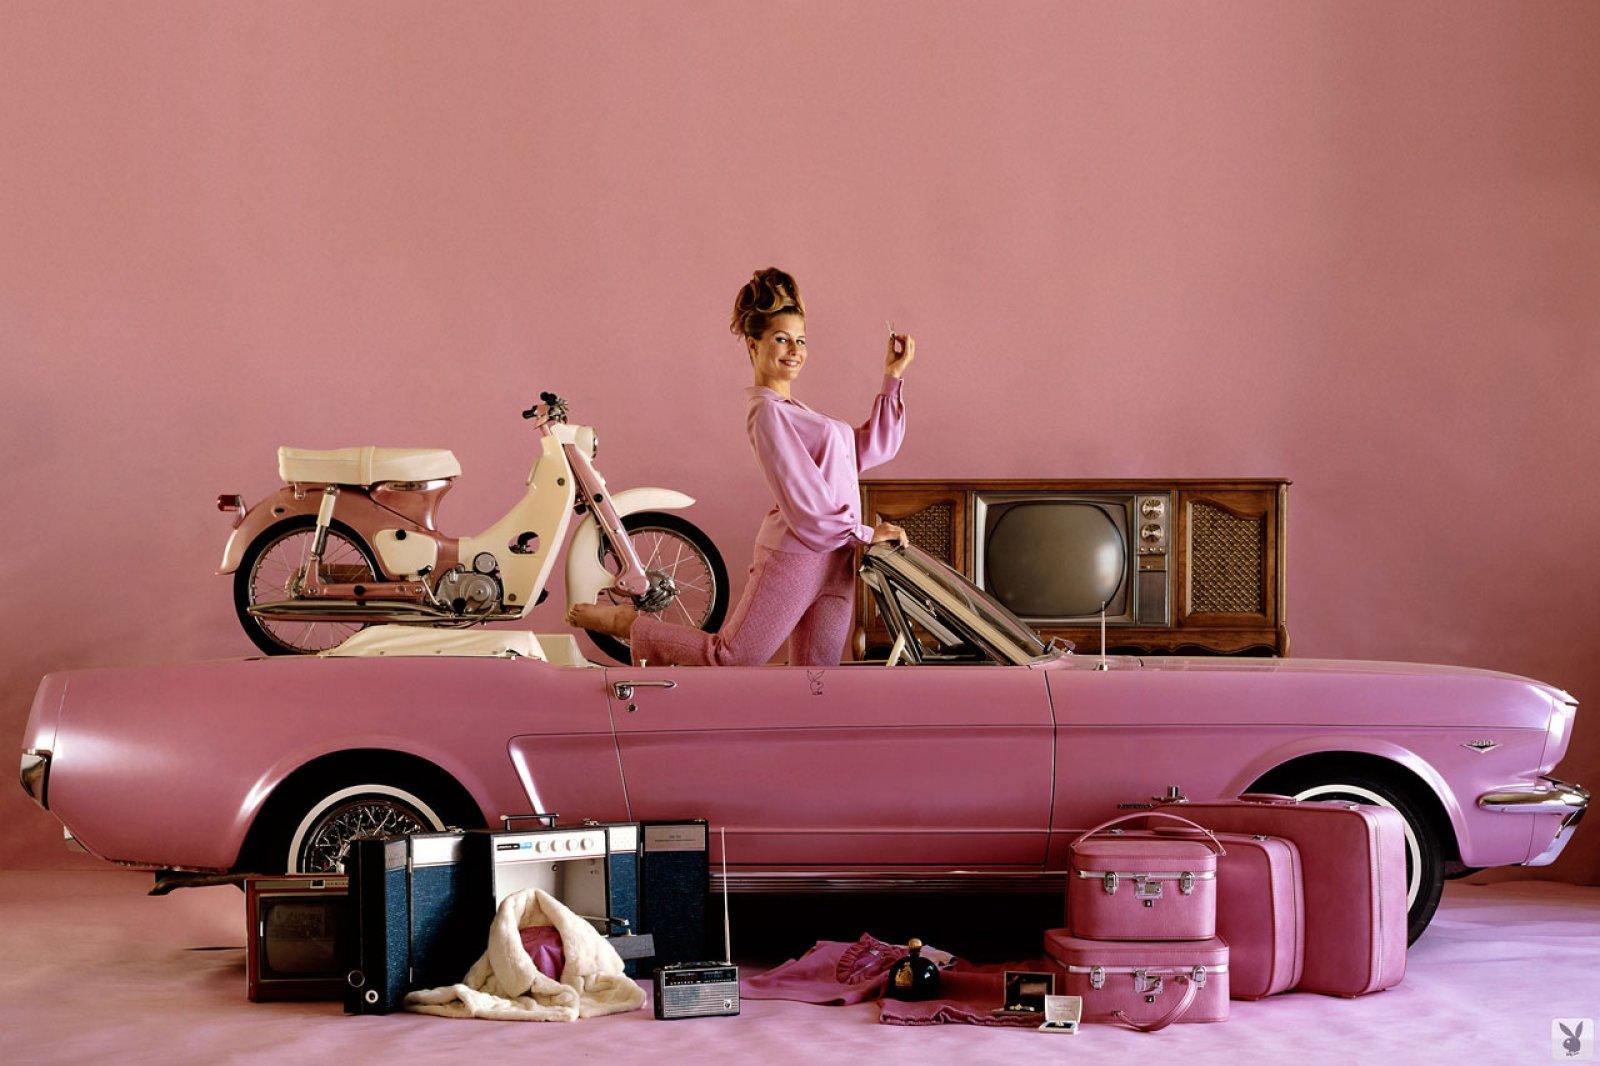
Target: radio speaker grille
pixel 1228 557
pixel 930 529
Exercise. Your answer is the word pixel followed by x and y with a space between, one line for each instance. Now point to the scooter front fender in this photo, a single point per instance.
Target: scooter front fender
pixel 585 576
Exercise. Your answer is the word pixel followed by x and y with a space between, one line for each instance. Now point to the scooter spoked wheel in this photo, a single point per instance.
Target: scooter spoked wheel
pixel 270 564
pixel 688 580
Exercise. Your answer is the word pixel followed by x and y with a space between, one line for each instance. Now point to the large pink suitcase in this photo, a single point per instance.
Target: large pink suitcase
pixel 1146 984
pixel 1260 913
pixel 1353 868
pixel 1143 886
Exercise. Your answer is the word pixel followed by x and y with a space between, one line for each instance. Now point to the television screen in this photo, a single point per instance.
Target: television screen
pixel 300 936
pixel 1058 558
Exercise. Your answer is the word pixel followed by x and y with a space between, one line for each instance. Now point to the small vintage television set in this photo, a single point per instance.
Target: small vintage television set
pixel 296 940
pixel 1058 559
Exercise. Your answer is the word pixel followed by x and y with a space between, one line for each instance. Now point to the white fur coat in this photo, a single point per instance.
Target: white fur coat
pixel 504 983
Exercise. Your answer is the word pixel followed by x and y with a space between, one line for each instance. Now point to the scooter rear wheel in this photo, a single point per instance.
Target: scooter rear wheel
pixel 271 561
pixel 673 548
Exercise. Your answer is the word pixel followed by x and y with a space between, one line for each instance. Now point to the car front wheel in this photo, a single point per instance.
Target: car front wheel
pixel 1425 871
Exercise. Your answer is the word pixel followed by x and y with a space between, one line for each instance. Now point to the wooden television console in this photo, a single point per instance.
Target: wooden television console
pixel 1224 544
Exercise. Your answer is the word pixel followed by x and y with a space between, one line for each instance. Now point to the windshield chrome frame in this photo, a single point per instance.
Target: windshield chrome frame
pixel 893 562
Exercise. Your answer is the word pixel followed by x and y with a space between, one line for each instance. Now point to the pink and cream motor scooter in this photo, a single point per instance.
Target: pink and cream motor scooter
pixel 349 541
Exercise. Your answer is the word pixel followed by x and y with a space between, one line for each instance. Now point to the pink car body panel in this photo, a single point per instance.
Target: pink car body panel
pixel 856 767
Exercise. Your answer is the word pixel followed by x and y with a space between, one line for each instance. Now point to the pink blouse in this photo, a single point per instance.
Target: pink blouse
pixel 810 463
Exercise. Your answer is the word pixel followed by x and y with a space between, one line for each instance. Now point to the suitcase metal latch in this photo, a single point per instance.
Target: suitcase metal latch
pixel 1186 883
pixel 1109 882
pixel 1147 891
pixel 1198 976
pixel 1147 985
pixel 1097 977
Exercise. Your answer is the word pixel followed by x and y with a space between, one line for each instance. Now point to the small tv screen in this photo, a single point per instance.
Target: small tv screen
pixel 1058 558
pixel 300 936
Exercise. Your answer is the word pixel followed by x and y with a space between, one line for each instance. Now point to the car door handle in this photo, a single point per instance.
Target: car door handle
pixel 623 690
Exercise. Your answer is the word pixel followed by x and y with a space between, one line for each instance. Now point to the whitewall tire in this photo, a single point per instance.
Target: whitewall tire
pixel 318 844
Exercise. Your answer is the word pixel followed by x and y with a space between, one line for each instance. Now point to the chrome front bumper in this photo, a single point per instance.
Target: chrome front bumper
pixel 1548 796
pixel 36 775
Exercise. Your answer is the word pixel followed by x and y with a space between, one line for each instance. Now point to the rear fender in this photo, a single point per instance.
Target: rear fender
pixel 355 509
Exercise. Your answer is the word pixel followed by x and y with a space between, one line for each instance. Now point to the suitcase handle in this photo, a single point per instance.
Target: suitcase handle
pixel 1270 799
pixel 507 819
pixel 1210 837
pixel 1175 1014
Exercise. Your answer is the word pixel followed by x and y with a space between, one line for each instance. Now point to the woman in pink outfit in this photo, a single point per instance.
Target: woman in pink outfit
pixel 802 583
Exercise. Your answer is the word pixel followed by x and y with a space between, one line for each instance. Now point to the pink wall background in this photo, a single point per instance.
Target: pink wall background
pixel 1357 244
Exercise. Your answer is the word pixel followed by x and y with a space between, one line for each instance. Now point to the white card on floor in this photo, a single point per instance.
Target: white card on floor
pixel 1061 1014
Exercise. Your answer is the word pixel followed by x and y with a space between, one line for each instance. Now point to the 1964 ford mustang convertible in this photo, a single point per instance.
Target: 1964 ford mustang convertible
pixel 961 761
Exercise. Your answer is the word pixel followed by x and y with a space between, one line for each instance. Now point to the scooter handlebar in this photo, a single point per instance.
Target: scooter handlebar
pixel 554 408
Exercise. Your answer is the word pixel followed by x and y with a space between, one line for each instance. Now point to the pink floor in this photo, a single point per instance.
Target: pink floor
pixel 91 969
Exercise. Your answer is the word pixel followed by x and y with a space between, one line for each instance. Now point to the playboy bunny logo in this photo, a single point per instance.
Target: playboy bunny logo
pixel 815 677
pixel 1567 1040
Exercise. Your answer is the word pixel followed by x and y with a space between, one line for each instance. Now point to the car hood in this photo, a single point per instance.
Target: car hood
pixel 1213 664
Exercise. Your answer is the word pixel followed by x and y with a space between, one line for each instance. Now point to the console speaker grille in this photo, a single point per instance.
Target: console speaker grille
pixel 1228 557
pixel 930 529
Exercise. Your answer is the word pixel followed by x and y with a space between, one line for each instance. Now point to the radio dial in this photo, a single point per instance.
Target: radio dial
pixel 538 845
pixel 586 844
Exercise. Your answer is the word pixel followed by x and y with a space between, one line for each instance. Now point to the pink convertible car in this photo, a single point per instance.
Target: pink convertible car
pixel 962 761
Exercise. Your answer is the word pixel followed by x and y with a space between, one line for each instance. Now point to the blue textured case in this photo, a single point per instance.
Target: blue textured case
pixel 376 981
pixel 674 885
pixel 421 917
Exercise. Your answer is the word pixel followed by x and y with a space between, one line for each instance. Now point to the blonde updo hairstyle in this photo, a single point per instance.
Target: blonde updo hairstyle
pixel 768 294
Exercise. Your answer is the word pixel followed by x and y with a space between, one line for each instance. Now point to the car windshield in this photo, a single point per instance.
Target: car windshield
pixel 964 602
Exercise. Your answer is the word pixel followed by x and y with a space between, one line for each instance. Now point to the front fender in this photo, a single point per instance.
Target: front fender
pixel 1344 742
pixel 1483 838
pixel 585 576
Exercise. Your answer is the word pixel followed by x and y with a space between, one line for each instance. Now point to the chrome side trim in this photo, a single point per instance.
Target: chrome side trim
pixel 1020 881
pixel 1556 797
pixel 1199 875
pixel 36 775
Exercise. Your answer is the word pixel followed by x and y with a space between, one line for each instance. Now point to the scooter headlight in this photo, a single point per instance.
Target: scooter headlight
pixel 594 445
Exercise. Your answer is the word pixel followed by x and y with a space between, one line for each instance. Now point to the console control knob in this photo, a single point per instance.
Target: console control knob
pixel 586 844
pixel 1151 532
pixel 1152 507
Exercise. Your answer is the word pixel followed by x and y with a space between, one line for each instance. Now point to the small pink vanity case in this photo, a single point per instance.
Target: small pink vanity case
pixel 1146 985
pixel 1143 886
pixel 1260 913
pixel 1353 867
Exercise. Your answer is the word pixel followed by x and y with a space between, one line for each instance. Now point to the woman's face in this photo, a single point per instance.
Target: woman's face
pixel 780 352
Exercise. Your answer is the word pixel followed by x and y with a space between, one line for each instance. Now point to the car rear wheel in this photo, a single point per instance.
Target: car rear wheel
pixel 1425 867
pixel 321 841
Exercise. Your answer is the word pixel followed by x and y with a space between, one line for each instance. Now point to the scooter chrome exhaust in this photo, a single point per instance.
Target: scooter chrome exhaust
pixel 350 611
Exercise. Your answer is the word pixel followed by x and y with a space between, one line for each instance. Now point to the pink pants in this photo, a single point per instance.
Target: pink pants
pixel 810 595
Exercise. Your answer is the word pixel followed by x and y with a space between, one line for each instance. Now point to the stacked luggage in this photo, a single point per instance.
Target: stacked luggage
pixel 1236 899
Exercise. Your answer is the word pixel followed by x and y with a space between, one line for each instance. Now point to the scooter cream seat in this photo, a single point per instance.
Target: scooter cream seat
pixel 366 466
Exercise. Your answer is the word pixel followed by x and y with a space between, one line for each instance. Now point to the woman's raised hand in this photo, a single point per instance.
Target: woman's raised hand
pixel 902 349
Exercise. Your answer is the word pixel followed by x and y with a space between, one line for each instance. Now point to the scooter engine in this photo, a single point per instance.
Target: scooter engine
pixel 467 592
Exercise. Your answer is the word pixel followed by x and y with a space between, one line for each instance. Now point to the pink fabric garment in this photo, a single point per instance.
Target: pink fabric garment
pixel 543 945
pixel 808 597
pixel 966 997
pixel 833 972
pixel 811 463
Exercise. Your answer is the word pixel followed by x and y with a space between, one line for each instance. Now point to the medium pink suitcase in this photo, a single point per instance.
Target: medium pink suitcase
pixel 1143 886
pixel 1353 868
pixel 1146 984
pixel 1260 913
